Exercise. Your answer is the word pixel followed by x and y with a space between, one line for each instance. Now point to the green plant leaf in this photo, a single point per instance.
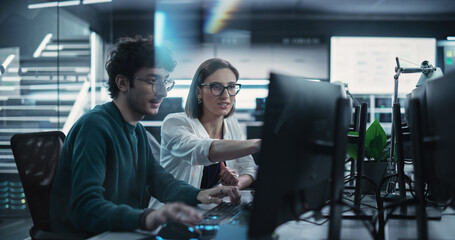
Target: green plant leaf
pixel 376 146
pixel 375 141
pixel 352 148
pixel 386 152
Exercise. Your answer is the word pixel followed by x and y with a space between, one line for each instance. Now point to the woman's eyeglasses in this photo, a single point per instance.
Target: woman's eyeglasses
pixel 217 89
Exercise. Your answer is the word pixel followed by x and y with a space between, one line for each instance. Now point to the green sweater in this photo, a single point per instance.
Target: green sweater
pixel 97 187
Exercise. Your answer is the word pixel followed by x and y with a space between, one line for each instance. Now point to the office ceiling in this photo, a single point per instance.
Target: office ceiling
pixel 420 9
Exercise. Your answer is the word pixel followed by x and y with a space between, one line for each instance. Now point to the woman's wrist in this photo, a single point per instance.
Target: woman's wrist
pixel 245 181
pixel 255 145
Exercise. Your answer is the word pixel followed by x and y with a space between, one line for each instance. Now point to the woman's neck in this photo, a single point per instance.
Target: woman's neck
pixel 213 126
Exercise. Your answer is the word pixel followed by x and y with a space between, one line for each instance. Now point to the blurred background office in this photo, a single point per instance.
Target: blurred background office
pixel 52 56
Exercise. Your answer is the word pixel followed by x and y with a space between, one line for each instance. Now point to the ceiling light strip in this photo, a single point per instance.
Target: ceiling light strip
pixel 42 45
pixel 95 1
pixel 42 5
pixel 8 60
pixel 69 3
pixel 54 4
pixel 160 18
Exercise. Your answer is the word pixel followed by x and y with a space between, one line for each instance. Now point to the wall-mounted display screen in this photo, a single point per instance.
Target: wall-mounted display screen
pixel 367 64
pixel 449 58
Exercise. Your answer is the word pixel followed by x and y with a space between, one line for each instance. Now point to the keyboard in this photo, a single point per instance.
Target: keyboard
pixel 222 213
pixel 219 215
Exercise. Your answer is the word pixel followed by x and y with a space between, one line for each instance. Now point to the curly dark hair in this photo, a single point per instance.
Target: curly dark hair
pixel 131 54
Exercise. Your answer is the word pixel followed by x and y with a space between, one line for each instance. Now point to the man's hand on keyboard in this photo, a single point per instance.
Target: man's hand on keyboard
pixel 177 212
pixel 216 195
pixel 229 177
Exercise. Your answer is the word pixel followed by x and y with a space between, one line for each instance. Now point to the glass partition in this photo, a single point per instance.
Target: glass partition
pixel 51 56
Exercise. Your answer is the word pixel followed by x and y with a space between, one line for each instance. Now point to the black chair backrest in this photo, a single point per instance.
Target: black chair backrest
pixel 37 156
pixel 360 141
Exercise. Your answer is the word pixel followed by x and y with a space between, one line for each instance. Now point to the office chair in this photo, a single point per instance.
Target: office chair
pixel 360 122
pixel 418 157
pixel 354 127
pixel 37 155
pixel 360 141
pixel 402 135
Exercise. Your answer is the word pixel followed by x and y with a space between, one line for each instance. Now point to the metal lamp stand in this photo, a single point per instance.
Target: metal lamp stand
pixel 391 161
pixel 426 68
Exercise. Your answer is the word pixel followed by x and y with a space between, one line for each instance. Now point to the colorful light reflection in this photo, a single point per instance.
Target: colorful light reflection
pixel 217 16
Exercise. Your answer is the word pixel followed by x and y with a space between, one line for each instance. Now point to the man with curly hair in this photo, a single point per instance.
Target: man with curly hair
pixel 107 173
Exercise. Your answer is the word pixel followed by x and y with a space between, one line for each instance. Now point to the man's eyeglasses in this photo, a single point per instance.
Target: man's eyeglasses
pixel 157 82
pixel 217 89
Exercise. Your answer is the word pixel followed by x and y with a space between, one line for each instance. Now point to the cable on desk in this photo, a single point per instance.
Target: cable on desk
pixel 350 179
pixel 364 204
pixel 315 223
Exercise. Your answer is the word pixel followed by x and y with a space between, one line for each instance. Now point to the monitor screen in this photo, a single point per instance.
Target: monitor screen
pixel 294 174
pixel 367 64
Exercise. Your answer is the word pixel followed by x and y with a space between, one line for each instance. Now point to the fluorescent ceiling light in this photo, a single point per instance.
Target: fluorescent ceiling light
pixel 13 70
pixel 42 45
pixel 11 79
pixel 69 3
pixel 67 46
pixel 95 1
pixel 450 38
pixel 42 5
pixel 49 54
pixel 82 69
pixel 54 4
pixel 182 82
pixel 54 47
pixel 254 82
pixel 8 60
pixel 160 18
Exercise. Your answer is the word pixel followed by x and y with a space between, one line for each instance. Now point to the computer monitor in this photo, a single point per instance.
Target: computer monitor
pixel 169 105
pixel 300 142
pixel 440 112
pixel 432 111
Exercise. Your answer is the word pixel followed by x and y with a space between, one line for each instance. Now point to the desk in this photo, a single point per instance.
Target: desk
pixel 351 228
pixel 354 229
pixel 202 208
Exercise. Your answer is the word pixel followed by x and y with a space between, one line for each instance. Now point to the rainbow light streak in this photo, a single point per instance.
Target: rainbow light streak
pixel 218 16
pixel 160 19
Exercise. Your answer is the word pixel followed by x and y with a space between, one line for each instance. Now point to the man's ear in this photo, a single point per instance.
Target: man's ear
pixel 122 82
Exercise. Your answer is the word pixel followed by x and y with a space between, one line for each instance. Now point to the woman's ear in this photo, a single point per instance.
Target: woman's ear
pixel 122 83
pixel 198 92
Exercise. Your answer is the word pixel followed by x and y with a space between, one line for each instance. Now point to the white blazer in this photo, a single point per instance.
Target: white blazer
pixel 185 148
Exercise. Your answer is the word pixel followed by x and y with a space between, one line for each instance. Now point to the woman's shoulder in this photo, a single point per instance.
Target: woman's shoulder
pixel 180 116
pixel 178 119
